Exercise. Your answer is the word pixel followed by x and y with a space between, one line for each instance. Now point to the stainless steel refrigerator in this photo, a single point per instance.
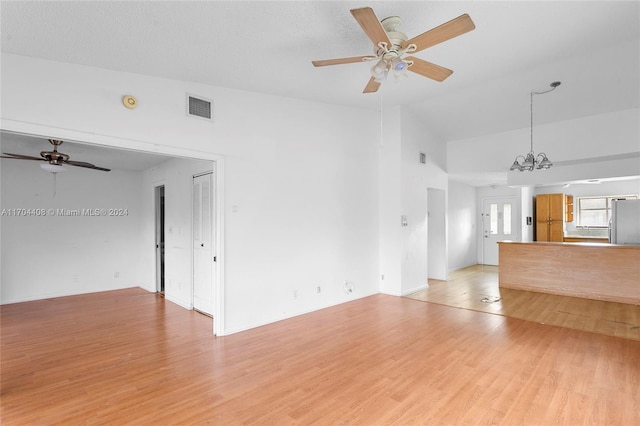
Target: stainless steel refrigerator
pixel 624 226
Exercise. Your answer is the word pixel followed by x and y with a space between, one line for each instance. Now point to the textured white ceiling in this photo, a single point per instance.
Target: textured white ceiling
pixel 593 47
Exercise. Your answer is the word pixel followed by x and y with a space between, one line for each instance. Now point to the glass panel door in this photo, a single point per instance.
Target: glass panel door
pixel 498 219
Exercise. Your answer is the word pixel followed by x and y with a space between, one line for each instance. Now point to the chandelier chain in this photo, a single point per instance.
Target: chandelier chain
pixel 553 87
pixel 531 126
pixel 531 161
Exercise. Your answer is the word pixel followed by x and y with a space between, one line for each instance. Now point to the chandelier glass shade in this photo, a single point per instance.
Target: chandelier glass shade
pixel 532 161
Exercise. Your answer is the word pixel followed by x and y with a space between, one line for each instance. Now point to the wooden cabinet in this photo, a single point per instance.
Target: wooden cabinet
pixel 550 217
pixel 568 208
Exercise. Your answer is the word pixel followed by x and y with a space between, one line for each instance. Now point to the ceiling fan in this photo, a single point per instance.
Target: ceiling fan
pixel 390 46
pixel 54 159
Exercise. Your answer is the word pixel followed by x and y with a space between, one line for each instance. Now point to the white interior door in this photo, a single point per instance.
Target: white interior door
pixel 498 223
pixel 203 243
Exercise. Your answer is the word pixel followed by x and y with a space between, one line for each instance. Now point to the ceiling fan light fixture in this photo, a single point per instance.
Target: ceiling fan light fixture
pixel 52 168
pixel 380 70
pixel 398 65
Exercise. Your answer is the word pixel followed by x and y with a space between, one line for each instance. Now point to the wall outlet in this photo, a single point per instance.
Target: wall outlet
pixel 348 287
pixel 318 290
pixel 116 274
pixel 295 294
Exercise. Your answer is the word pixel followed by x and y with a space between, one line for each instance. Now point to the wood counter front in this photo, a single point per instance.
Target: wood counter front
pixel 590 270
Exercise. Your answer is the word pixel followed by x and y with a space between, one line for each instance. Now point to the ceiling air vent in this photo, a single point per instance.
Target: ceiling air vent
pixel 198 107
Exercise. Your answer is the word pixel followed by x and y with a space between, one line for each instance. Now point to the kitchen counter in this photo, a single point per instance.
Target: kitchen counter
pixel 584 239
pixel 601 236
pixel 591 270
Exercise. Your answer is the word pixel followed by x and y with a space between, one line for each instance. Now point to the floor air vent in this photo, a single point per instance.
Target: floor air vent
pixel 198 107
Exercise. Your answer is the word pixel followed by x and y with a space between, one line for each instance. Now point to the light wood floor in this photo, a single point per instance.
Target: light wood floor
pixel 131 357
pixel 468 287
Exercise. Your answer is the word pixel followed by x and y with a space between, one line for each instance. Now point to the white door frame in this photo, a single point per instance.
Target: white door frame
pixel 82 137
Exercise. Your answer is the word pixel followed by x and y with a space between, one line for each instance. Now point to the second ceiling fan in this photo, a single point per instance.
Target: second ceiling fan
pixel 390 46
pixel 55 159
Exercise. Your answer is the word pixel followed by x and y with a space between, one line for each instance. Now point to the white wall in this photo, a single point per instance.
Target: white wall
pixel 415 186
pixel 463 224
pixel 437 234
pixel 300 184
pixel 390 203
pixel 568 142
pixel 527 195
pixel 404 183
pixel 50 254
pixel 300 208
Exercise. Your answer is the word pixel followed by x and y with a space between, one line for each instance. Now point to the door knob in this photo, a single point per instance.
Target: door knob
pixel 202 245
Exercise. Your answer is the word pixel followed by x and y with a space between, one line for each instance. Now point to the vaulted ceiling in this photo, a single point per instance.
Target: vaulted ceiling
pixel 267 46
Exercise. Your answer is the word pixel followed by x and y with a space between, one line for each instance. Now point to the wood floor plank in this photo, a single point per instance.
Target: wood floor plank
pixel 131 357
pixel 467 287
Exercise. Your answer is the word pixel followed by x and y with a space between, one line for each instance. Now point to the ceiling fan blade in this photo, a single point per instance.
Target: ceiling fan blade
pixel 22 157
pixel 444 32
pixel 371 25
pixel 372 86
pixel 427 69
pixel 86 165
pixel 339 61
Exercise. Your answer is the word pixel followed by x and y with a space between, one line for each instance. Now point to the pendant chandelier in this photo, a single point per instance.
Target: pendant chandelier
pixel 531 161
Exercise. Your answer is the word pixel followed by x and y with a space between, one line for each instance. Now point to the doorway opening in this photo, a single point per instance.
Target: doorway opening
pixel 159 208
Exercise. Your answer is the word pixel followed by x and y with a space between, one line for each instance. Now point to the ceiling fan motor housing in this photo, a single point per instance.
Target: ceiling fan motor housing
pixel 390 25
pixel 54 157
pixel 392 55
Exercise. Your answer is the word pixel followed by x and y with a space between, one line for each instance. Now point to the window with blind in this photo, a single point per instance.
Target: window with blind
pixel 595 212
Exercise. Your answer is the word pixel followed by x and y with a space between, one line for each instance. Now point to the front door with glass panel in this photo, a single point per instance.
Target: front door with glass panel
pixel 498 220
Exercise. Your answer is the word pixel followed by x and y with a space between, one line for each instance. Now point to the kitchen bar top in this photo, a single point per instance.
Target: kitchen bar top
pixel 599 271
pixel 586 243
